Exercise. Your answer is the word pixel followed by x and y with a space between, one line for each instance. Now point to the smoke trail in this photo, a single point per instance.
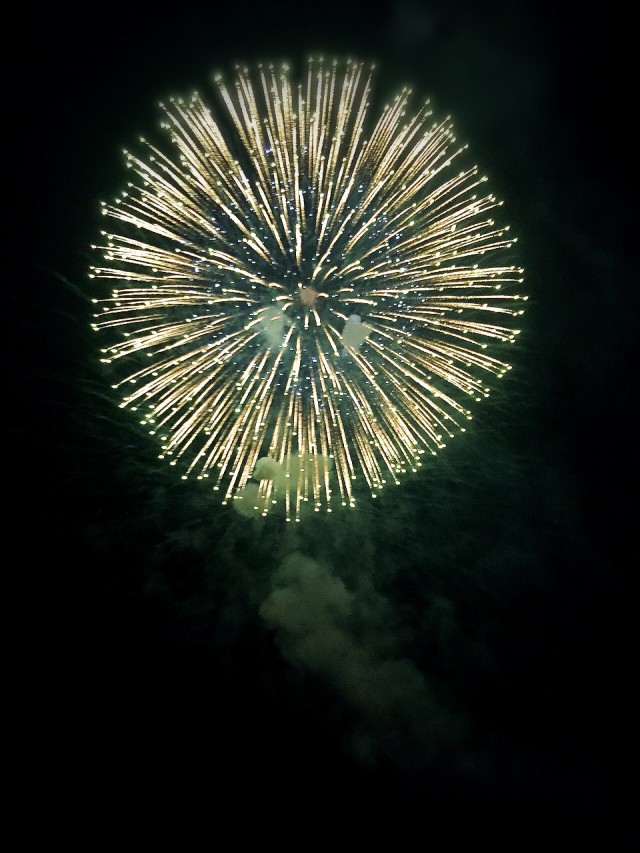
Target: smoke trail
pixel 326 629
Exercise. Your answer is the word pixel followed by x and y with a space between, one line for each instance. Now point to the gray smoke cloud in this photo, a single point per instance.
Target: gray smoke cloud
pixel 338 635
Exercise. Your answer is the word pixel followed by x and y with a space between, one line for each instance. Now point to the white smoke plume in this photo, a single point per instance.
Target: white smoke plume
pixel 320 627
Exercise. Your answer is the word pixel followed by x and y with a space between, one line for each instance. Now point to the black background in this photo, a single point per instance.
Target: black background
pixel 146 674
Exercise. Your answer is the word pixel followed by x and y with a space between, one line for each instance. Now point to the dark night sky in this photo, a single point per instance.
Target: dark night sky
pixel 504 573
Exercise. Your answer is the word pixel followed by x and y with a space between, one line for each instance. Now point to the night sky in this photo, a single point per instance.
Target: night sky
pixel 491 617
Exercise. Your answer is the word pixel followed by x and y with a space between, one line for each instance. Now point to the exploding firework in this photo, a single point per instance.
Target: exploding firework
pixel 308 298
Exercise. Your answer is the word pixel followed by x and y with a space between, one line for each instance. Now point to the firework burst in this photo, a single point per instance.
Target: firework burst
pixel 307 298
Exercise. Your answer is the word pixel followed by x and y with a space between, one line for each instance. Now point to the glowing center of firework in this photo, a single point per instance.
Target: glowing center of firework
pixel 308 296
pixel 306 306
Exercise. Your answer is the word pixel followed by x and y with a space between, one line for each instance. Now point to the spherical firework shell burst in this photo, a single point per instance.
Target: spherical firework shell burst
pixel 300 282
